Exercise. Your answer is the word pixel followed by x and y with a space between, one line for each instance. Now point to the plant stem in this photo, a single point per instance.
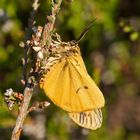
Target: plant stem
pixel 22 114
pixel 28 91
pixel 48 28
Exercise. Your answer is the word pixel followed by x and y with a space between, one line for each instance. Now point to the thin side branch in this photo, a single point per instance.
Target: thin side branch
pixel 28 33
pixel 39 105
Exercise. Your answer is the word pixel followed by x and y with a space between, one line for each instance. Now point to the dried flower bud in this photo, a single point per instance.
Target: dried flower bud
pixel 9 99
pixel 21 44
pixel 28 42
pixel 46 104
pixel 37 49
pixel 9 92
pixel 40 55
pixel 36 43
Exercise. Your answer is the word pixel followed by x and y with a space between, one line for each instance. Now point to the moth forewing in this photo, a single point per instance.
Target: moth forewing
pixel 68 84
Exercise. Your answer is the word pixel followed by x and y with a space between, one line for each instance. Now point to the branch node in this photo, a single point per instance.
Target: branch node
pixel 39 105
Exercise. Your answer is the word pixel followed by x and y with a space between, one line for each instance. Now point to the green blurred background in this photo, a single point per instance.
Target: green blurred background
pixel 111 51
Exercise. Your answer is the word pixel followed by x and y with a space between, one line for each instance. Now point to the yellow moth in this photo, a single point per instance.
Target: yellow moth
pixel 69 86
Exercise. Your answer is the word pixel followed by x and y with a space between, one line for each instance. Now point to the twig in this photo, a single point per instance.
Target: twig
pixel 29 81
pixel 22 114
pixel 28 91
pixel 28 32
pixel 48 28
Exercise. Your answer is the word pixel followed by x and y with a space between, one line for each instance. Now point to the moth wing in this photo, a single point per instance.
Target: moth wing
pixel 70 87
pixel 89 119
pixel 78 61
pixel 59 87
pixel 57 84
pixel 86 92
